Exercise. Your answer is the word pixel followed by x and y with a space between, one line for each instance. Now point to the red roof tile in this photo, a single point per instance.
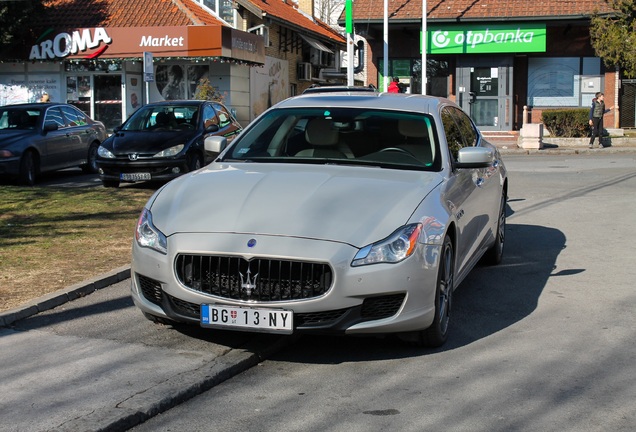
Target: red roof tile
pixel 286 11
pixel 124 13
pixel 477 9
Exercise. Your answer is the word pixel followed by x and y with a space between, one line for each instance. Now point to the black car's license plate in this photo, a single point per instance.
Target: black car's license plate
pixel 134 176
pixel 238 318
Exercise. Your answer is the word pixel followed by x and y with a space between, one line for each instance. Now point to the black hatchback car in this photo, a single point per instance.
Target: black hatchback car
pixel 40 137
pixel 163 140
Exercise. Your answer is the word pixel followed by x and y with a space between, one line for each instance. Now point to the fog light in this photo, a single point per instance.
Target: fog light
pixel 100 171
pixel 176 170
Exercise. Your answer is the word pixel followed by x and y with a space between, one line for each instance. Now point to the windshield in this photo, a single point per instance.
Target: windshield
pixel 163 118
pixel 342 136
pixel 18 118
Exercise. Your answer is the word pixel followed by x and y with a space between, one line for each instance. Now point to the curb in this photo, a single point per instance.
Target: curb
pixel 514 150
pixel 64 295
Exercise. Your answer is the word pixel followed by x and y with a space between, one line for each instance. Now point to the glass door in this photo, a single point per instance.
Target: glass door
pixel 108 100
pixel 485 93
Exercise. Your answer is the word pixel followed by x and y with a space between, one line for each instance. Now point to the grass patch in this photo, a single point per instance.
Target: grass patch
pixel 51 237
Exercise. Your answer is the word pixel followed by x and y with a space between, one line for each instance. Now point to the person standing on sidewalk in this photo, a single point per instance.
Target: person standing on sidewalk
pixel 597 111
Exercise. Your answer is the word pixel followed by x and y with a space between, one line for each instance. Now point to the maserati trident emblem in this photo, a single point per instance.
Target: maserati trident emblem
pixel 248 283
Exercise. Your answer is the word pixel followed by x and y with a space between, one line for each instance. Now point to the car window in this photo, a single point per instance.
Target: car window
pixel 385 138
pixel 466 127
pixel 209 116
pixel 54 115
pixel 452 131
pixel 74 117
pixel 23 119
pixel 162 118
pixel 225 118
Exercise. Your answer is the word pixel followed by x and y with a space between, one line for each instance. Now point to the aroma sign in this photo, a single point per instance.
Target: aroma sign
pixel 66 44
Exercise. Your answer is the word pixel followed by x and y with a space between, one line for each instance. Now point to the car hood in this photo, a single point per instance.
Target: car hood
pixel 353 205
pixel 9 137
pixel 125 142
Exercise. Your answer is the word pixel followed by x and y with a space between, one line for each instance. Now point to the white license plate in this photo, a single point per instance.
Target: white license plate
pixel 134 176
pixel 240 318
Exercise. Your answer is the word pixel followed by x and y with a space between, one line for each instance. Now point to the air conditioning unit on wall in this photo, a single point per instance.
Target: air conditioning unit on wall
pixel 304 71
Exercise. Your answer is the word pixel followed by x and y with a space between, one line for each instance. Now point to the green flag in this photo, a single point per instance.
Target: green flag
pixel 349 16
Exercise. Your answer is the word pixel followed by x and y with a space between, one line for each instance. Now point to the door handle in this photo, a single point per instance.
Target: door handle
pixel 473 97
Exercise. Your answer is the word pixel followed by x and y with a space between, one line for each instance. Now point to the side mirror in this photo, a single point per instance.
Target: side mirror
pixel 475 157
pixel 49 126
pixel 214 144
pixel 212 128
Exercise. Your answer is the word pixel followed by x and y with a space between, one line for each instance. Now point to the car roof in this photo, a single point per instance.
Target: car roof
pixel 179 102
pixel 372 100
pixel 35 105
pixel 338 88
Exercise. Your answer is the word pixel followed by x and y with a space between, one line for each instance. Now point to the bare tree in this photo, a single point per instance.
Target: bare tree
pixel 329 11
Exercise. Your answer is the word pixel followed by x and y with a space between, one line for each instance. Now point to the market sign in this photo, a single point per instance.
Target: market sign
pixel 132 42
pixel 485 39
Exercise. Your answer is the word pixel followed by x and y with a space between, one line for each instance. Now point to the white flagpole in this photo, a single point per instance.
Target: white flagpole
pixel 385 72
pixel 423 44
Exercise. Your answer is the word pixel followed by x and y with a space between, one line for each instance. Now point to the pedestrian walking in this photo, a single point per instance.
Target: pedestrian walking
pixel 597 111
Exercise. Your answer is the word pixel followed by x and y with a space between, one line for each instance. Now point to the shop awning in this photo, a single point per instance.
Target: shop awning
pixel 316 44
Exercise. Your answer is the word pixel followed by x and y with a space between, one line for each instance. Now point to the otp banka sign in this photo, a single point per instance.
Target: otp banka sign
pixel 481 39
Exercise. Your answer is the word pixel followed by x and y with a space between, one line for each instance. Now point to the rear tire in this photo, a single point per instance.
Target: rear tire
pixel 91 166
pixel 28 169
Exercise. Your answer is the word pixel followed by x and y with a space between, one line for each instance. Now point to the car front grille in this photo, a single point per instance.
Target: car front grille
pixel 264 280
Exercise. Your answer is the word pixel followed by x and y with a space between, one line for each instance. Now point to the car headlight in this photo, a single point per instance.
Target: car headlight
pixel 172 151
pixel 147 235
pixel 393 249
pixel 103 152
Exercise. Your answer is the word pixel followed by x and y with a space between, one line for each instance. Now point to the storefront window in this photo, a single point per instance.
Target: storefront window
pixel 410 73
pixel 558 81
pixel 78 92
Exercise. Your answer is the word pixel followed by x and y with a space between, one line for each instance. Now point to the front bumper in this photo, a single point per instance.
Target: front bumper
pixel 10 167
pixel 159 170
pixel 380 298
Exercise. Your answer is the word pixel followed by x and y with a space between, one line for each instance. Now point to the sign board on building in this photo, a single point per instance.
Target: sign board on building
pixel 149 72
pixel 132 42
pixel 486 38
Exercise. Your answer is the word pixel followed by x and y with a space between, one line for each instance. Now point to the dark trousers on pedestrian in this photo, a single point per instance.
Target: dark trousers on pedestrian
pixel 597 130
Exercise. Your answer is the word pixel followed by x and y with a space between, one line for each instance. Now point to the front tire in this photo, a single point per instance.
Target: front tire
pixel 28 169
pixel 195 161
pixel 494 255
pixel 110 183
pixel 437 334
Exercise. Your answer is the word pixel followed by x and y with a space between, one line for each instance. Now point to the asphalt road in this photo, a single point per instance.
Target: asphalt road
pixel 542 342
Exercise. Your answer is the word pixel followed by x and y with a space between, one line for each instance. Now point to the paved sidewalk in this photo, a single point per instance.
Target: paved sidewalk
pixel 57 380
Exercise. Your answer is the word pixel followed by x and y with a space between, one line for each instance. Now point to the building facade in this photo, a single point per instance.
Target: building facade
pixel 496 59
pixel 112 57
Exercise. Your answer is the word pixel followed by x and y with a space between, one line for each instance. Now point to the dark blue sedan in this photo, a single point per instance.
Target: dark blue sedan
pixel 163 140
pixel 40 137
